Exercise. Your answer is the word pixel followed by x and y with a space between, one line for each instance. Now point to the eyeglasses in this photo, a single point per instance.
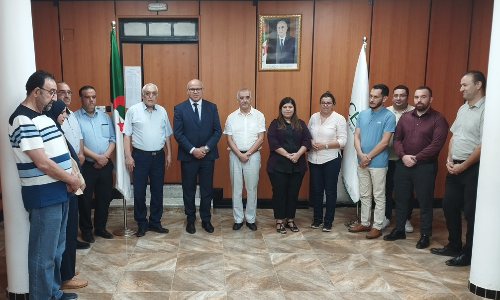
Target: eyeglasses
pixel 193 90
pixel 51 92
pixel 63 93
pixel 327 103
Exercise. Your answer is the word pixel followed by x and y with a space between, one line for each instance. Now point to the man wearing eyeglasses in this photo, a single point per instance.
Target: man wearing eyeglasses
pixel 245 129
pixel 146 132
pixel 46 176
pixel 99 144
pixel 398 108
pixel 74 137
pixel 197 130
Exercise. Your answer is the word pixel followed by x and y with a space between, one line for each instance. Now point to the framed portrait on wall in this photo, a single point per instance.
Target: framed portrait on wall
pixel 278 48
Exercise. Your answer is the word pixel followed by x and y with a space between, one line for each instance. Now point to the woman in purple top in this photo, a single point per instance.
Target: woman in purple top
pixel 288 139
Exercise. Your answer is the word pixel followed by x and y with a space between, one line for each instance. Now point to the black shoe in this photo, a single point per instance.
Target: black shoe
pixel 252 226
pixel 82 245
pixel 459 261
pixel 316 223
pixel 88 237
pixel 395 235
pixel 68 296
pixel 423 242
pixel 237 226
pixel 140 232
pixel 190 228
pixel 327 227
pixel 447 251
pixel 158 229
pixel 207 226
pixel 103 233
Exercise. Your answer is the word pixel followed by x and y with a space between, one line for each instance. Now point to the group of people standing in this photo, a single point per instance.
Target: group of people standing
pixel 61 154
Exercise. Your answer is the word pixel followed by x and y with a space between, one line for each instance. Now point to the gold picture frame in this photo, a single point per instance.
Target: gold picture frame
pixel 278 48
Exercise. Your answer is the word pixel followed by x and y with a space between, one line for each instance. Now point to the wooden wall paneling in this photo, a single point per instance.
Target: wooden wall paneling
pixel 134 8
pixel 46 37
pixel 181 8
pixel 399 44
pixel 479 49
pixel 140 8
pixel 339 28
pixel 227 63
pixel 85 27
pixel 131 54
pixel 170 67
pixel 446 63
pixel 274 86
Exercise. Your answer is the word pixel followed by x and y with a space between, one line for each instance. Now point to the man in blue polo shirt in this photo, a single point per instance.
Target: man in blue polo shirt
pixel 99 143
pixel 147 129
pixel 374 129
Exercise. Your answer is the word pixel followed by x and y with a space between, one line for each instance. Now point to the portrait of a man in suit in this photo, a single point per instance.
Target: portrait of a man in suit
pixel 282 48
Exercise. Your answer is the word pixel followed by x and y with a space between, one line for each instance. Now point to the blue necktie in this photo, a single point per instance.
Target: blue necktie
pixel 197 113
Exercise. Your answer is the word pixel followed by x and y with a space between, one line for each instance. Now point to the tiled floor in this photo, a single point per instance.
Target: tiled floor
pixel 228 264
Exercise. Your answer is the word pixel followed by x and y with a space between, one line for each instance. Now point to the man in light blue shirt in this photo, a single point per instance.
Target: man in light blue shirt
pixel 374 129
pixel 147 129
pixel 99 143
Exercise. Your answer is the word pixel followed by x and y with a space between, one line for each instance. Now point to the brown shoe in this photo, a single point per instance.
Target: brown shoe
pixel 74 283
pixel 374 233
pixel 359 228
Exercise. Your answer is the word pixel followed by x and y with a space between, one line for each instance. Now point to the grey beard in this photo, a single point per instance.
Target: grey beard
pixel 48 106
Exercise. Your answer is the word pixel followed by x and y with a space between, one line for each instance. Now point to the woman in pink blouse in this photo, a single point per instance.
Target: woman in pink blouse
pixel 328 131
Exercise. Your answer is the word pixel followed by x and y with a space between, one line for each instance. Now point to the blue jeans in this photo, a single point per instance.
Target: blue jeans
pixel 47 240
pixel 152 166
pixel 324 179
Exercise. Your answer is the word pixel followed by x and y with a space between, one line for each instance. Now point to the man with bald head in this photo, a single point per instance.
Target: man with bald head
pixel 281 49
pixel 197 130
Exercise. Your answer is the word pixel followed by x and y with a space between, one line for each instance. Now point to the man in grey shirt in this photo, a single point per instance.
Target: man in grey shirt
pixel 463 169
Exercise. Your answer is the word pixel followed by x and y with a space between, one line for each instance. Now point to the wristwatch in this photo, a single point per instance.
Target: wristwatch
pixel 207 149
pixel 326 145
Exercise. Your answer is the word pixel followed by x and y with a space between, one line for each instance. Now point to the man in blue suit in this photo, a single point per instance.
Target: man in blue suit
pixel 197 131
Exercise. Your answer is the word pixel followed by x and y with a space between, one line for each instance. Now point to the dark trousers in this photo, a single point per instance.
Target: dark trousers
pixel 323 180
pixel 420 177
pixel 461 191
pixel 389 189
pixel 286 187
pixel 152 166
pixel 100 183
pixel 204 170
pixel 68 261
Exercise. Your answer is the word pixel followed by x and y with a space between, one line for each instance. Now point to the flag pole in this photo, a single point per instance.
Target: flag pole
pixel 353 223
pixel 125 231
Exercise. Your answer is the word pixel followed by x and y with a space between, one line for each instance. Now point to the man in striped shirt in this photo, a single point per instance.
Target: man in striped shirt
pixel 44 167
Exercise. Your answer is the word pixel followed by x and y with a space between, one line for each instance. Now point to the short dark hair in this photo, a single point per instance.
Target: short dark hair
pixel 477 76
pixel 37 80
pixel 85 87
pixel 402 87
pixel 327 94
pixel 424 87
pixel 383 88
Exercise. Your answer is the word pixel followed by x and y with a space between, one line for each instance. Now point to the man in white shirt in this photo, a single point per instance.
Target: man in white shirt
pixel 245 129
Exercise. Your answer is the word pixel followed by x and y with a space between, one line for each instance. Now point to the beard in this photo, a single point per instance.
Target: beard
pixel 48 106
pixel 421 107
pixel 376 105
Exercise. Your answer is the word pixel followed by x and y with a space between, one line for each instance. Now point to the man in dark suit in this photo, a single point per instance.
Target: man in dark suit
pixel 281 50
pixel 197 130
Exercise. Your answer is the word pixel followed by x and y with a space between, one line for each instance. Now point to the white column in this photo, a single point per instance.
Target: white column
pixel 17 63
pixel 485 272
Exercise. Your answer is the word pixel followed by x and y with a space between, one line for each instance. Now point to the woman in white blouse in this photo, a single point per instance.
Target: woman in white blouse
pixel 328 131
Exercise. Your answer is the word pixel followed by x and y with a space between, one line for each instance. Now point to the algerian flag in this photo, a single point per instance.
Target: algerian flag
pixel 118 104
pixel 359 102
